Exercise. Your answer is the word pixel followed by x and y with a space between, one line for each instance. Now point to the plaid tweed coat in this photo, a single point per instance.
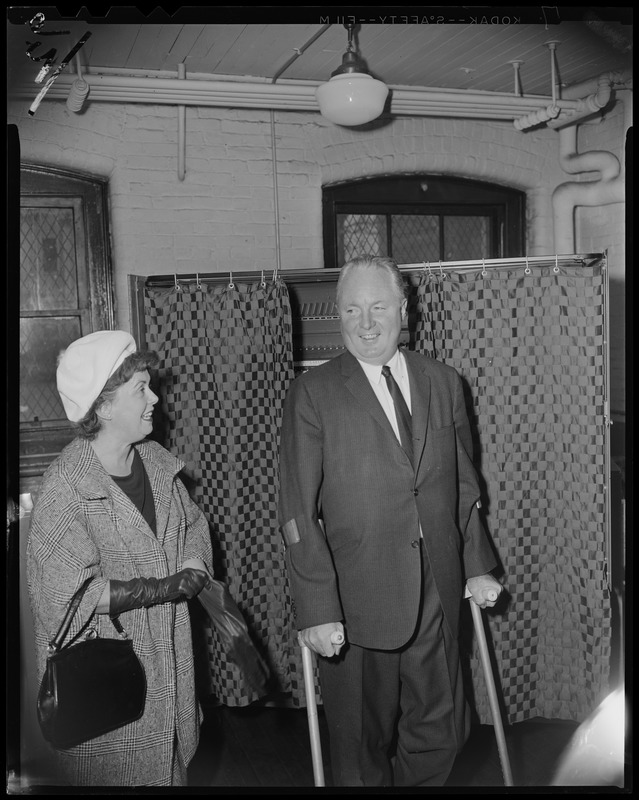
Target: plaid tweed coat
pixel 83 525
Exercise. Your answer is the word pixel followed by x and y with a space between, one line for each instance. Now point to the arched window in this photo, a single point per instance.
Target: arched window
pixel 415 218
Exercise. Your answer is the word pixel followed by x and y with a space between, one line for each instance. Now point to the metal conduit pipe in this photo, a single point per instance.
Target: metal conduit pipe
pixel 573 162
pixel 570 195
pixel 543 115
pixel 276 204
pixel 586 106
pixel 582 100
pixel 298 52
pixel 181 129
pixel 610 188
pixel 620 78
pixel 461 96
pixel 297 96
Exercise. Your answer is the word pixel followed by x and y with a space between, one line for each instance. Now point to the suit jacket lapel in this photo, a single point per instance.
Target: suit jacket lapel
pixel 357 383
pixel 420 405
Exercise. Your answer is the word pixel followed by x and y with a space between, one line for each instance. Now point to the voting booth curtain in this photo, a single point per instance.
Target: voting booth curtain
pixel 226 363
pixel 529 343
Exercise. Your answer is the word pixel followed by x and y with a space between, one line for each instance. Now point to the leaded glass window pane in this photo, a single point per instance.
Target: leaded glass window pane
pixel 48 278
pixel 415 238
pixel 359 234
pixel 41 340
pixel 466 238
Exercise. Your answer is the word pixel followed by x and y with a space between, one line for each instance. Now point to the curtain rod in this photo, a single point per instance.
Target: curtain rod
pixel 318 275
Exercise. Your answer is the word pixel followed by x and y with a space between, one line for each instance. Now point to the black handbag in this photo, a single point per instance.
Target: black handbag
pixel 91 687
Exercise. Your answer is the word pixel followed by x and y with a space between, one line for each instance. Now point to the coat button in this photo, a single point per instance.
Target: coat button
pixel 415 543
pixel 415 492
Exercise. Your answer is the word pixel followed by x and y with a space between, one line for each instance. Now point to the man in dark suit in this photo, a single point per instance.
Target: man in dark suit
pixel 382 534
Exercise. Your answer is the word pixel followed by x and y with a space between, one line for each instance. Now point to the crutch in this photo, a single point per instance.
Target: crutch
pixel 311 705
pixel 492 691
pixel 311 710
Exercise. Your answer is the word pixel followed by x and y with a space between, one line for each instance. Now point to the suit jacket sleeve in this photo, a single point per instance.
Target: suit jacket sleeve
pixel 478 555
pixel 312 577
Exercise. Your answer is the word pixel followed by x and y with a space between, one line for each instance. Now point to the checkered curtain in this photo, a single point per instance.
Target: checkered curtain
pixel 530 347
pixel 226 362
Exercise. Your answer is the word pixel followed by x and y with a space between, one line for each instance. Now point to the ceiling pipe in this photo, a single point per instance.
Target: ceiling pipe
pixel 290 96
pixel 300 96
pixel 587 106
pixel 298 52
pixel 276 204
pixel 616 78
pixel 181 129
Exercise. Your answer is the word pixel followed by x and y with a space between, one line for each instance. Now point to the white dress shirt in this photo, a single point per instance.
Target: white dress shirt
pixel 399 371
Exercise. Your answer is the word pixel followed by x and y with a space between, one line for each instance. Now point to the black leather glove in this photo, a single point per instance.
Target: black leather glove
pixel 144 592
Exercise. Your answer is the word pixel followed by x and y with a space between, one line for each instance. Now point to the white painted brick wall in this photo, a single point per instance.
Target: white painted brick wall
pixel 222 216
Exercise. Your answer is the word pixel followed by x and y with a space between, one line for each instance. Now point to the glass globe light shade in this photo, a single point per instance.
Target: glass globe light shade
pixel 351 98
pixel 77 95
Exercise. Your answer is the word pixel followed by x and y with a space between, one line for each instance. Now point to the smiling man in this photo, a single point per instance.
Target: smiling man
pixel 379 512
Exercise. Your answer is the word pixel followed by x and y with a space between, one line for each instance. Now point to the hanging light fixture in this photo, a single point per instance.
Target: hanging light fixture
pixel 351 96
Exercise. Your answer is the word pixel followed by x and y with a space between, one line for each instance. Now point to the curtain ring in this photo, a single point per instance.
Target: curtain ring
pixel 263 282
pixel 483 268
pixel 556 267
pixel 178 288
pixel 197 280
pixel 441 271
pixel 231 284
pixel 527 270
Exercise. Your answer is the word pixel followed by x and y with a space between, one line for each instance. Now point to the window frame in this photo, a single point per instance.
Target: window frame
pixel 40 442
pixel 427 194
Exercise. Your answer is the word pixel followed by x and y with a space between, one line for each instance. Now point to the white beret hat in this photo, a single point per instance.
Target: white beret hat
pixel 85 367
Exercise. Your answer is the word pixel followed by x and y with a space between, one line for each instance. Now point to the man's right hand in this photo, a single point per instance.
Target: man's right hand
pixel 325 640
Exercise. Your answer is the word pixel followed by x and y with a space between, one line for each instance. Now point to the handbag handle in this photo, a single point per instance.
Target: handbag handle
pixel 57 640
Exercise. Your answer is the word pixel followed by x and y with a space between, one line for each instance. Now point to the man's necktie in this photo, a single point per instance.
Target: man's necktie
pixel 404 421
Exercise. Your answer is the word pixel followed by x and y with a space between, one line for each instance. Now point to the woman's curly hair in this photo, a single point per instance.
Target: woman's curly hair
pixel 90 425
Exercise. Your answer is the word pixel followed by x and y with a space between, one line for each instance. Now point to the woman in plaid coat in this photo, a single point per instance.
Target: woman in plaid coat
pixel 112 507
